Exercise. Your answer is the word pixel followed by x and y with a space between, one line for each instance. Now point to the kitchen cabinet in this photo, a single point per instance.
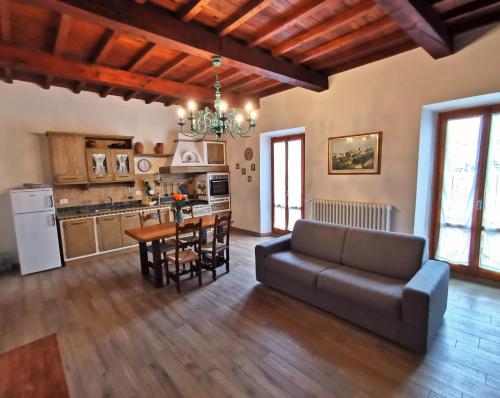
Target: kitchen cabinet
pixel 99 165
pixel 215 153
pixel 67 153
pixel 123 164
pixel 78 237
pixel 109 232
pixel 129 221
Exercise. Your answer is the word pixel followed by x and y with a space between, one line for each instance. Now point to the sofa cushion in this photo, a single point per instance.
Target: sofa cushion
pixel 379 293
pixel 319 239
pixel 384 253
pixel 297 266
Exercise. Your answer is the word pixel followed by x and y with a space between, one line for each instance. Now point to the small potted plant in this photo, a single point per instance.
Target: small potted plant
pixel 180 201
pixel 148 194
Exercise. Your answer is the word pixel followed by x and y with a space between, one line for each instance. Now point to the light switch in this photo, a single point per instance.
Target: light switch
pixel 63 201
pixel 138 193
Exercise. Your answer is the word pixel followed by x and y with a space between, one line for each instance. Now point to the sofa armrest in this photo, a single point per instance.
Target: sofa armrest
pixel 424 302
pixel 265 249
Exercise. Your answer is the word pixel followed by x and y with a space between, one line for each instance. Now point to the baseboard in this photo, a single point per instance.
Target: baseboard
pixel 252 233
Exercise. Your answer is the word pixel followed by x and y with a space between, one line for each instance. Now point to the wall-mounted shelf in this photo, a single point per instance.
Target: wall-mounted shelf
pixel 154 155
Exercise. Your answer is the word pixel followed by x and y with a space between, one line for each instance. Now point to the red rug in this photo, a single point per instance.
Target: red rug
pixel 33 370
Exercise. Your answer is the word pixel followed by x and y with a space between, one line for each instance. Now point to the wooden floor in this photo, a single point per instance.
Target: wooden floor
pixel 120 337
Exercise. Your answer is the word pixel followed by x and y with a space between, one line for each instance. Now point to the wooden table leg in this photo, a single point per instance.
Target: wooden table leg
pixel 157 264
pixel 143 253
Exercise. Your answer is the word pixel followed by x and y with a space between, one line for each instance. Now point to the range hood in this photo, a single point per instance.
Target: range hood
pixel 190 156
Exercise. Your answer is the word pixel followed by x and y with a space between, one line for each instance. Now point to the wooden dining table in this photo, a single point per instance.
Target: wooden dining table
pixel 154 234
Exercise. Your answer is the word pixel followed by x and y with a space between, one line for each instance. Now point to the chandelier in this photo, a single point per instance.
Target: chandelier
pixel 220 120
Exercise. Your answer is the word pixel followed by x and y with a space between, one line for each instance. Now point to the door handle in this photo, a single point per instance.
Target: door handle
pixel 480 205
pixel 51 201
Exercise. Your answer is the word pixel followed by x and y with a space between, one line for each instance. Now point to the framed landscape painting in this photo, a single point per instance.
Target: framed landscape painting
pixel 355 154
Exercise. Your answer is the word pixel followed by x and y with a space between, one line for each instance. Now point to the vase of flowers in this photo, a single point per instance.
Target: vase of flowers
pixel 180 201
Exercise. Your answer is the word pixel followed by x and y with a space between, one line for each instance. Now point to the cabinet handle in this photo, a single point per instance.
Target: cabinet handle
pixel 130 215
pixel 70 178
pixel 77 222
pixel 107 218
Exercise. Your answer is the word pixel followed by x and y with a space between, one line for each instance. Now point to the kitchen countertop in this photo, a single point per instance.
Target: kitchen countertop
pixel 104 212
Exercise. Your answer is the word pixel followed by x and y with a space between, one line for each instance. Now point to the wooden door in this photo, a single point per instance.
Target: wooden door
pixel 99 165
pixel 79 237
pixel 216 153
pixel 287 179
pixel 123 164
pixel 466 221
pixel 109 232
pixel 129 221
pixel 67 153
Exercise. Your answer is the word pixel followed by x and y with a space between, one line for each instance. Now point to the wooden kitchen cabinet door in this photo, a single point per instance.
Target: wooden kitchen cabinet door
pixel 79 237
pixel 67 153
pixel 123 164
pixel 99 165
pixel 216 153
pixel 129 221
pixel 109 232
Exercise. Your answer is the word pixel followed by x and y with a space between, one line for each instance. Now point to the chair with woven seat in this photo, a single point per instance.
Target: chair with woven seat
pixel 185 253
pixel 166 245
pixel 216 253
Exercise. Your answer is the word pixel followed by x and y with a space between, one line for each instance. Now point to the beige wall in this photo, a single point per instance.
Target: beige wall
pixel 27 111
pixel 387 95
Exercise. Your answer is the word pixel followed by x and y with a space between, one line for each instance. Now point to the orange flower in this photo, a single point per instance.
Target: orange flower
pixel 177 196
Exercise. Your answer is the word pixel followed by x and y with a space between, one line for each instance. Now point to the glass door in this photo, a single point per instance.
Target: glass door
pixel 466 228
pixel 287 181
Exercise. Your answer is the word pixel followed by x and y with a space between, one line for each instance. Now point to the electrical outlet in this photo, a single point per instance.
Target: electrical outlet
pixel 138 193
pixel 63 201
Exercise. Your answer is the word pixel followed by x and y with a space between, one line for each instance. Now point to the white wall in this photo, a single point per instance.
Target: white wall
pixel 387 95
pixel 27 111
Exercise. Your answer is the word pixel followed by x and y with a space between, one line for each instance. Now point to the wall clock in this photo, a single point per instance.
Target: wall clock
pixel 248 154
pixel 144 165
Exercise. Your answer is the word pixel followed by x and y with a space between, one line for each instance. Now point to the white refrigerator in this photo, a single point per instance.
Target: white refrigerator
pixel 36 229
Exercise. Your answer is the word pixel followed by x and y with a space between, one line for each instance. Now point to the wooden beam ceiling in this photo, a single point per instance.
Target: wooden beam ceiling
pixel 191 9
pixel 6 33
pixel 243 14
pixel 48 64
pixel 160 27
pixel 467 8
pixel 303 12
pixel 100 53
pixel 60 42
pixel 424 25
pixel 323 27
pixel 366 30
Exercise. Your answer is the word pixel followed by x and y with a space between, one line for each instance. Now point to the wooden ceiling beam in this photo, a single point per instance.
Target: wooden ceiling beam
pixel 166 69
pixel 323 49
pixel 467 8
pixel 473 23
pixel 153 98
pixel 373 56
pixel 6 33
pixel 242 14
pixel 378 44
pixel 45 63
pixel 191 9
pixel 304 11
pixel 60 42
pixel 263 86
pixel 161 27
pixel 422 23
pixel 100 53
pixel 201 73
pixel 324 27
pixel 273 90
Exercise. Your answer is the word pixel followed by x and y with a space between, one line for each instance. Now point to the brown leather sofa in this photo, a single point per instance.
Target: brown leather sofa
pixel 371 278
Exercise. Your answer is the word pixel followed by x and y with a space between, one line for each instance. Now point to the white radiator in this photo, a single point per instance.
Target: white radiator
pixel 353 214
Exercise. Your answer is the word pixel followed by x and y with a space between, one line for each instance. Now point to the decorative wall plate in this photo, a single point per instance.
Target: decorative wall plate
pixel 248 154
pixel 144 165
pixel 189 157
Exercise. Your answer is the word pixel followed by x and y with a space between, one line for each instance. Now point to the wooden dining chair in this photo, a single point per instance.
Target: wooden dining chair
pixel 166 245
pixel 216 253
pixel 186 254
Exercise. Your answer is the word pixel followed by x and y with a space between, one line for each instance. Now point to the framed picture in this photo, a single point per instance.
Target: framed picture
pixel 252 167
pixel 243 171
pixel 249 178
pixel 237 166
pixel 355 154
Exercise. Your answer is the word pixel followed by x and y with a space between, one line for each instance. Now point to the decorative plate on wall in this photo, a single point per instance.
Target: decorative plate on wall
pixel 144 165
pixel 248 154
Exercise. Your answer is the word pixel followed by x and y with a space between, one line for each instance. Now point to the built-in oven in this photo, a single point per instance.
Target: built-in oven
pixel 218 185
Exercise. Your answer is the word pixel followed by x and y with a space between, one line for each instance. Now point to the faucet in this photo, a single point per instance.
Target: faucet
pixel 110 201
